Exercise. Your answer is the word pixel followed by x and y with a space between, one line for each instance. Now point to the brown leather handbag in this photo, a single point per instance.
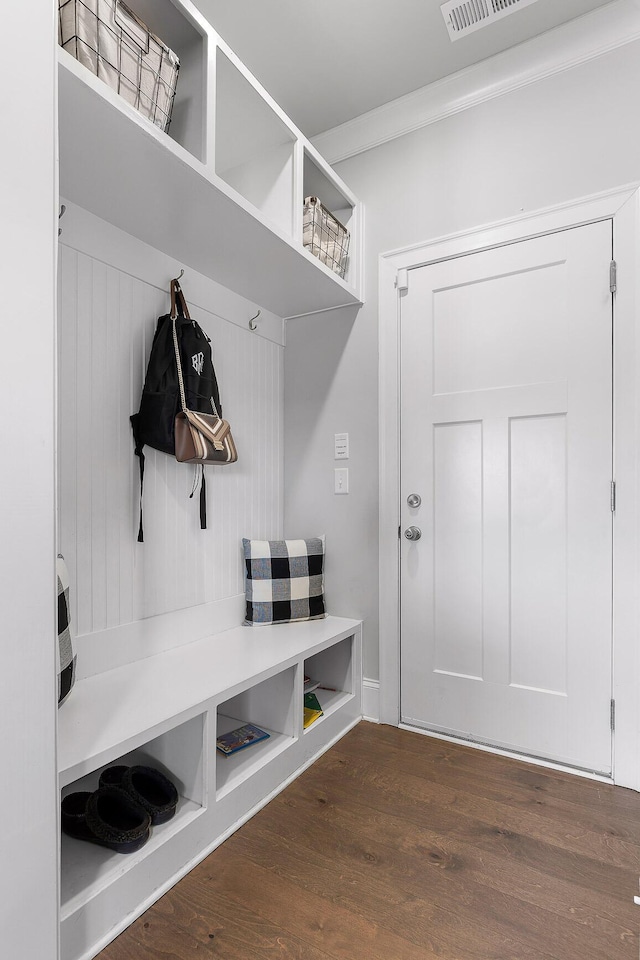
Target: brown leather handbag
pixel 199 437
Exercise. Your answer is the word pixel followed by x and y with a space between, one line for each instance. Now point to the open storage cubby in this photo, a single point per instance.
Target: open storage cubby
pixel 180 32
pixel 269 705
pixel 87 869
pixel 318 183
pixel 254 149
pixel 333 668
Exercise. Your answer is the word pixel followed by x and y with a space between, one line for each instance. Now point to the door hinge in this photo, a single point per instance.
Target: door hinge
pixel 613 276
pixel 613 496
pixel 612 715
pixel 399 532
pixel 402 280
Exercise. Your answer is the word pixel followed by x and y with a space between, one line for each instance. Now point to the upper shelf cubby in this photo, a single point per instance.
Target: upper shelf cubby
pixel 223 190
pixel 321 182
pixel 254 148
pixel 189 43
pixel 318 184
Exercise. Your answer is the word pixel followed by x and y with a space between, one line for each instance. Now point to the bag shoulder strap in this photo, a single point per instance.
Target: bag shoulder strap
pixel 178 302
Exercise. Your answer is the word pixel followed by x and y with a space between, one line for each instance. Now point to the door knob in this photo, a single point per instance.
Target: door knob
pixel 413 533
pixel 414 499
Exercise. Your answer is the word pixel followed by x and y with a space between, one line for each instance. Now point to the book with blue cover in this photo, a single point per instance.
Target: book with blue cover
pixel 240 738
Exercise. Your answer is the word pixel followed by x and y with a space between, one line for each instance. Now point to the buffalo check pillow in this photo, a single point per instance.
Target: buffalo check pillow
pixel 65 654
pixel 284 580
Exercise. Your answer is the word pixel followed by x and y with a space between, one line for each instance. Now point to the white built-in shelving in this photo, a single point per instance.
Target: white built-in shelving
pixel 87 870
pixel 221 194
pixel 223 190
pixel 167 711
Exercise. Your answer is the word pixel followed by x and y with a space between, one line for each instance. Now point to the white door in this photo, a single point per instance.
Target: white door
pixel 506 436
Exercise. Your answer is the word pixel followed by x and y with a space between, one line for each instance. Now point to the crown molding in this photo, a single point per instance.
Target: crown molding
pixel 585 38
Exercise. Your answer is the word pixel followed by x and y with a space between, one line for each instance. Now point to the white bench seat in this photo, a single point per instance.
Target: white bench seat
pixel 168 709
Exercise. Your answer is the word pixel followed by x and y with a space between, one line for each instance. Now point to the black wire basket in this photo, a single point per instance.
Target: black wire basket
pixel 111 41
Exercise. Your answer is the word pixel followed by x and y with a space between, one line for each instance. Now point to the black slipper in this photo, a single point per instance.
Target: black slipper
pixel 109 817
pixel 147 786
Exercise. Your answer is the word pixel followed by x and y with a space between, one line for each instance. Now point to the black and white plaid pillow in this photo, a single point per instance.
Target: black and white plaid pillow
pixel 66 658
pixel 284 580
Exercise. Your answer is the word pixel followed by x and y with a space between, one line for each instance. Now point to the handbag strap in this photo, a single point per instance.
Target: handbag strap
pixel 183 399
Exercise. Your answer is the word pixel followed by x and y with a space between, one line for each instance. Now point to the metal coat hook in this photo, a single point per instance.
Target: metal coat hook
pixel 180 275
pixel 252 323
pixel 63 210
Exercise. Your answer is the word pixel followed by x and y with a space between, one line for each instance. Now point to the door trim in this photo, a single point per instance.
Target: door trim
pixel 623 207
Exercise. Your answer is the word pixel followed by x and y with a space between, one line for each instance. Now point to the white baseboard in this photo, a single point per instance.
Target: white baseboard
pixel 371 700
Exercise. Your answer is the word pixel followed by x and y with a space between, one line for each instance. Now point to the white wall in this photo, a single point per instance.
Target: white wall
pixel 28 800
pixel 322 397
pixel 564 137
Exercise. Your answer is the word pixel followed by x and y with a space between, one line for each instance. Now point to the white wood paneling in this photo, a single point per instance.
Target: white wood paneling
pixel 107 317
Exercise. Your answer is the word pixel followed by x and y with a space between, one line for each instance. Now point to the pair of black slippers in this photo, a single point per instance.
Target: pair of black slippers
pixel 120 813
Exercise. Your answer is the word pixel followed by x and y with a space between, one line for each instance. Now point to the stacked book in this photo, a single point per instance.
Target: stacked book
pixel 312 708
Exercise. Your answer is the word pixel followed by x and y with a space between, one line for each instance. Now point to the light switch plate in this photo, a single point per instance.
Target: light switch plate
pixel 341 446
pixel 341 475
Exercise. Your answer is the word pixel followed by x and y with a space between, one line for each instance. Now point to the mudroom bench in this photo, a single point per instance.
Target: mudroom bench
pixel 167 710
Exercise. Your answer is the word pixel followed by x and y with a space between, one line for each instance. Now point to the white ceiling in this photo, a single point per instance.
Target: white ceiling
pixel 328 61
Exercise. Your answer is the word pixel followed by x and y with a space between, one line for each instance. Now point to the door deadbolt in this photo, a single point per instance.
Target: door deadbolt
pixel 413 533
pixel 414 499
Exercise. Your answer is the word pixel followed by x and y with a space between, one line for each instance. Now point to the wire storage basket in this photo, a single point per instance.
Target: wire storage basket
pixel 108 38
pixel 324 236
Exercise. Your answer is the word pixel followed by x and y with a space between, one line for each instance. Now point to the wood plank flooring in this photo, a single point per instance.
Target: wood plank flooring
pixel 395 846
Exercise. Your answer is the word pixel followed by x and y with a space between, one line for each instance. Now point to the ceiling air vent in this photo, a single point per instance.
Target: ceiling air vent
pixel 465 16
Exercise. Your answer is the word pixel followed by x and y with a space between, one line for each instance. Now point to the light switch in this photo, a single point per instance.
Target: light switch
pixel 341 446
pixel 341 475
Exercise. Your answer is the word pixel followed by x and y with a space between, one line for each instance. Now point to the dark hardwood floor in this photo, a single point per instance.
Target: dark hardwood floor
pixel 394 846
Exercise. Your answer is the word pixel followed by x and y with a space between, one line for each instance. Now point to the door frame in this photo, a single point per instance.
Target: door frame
pixel 622 206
